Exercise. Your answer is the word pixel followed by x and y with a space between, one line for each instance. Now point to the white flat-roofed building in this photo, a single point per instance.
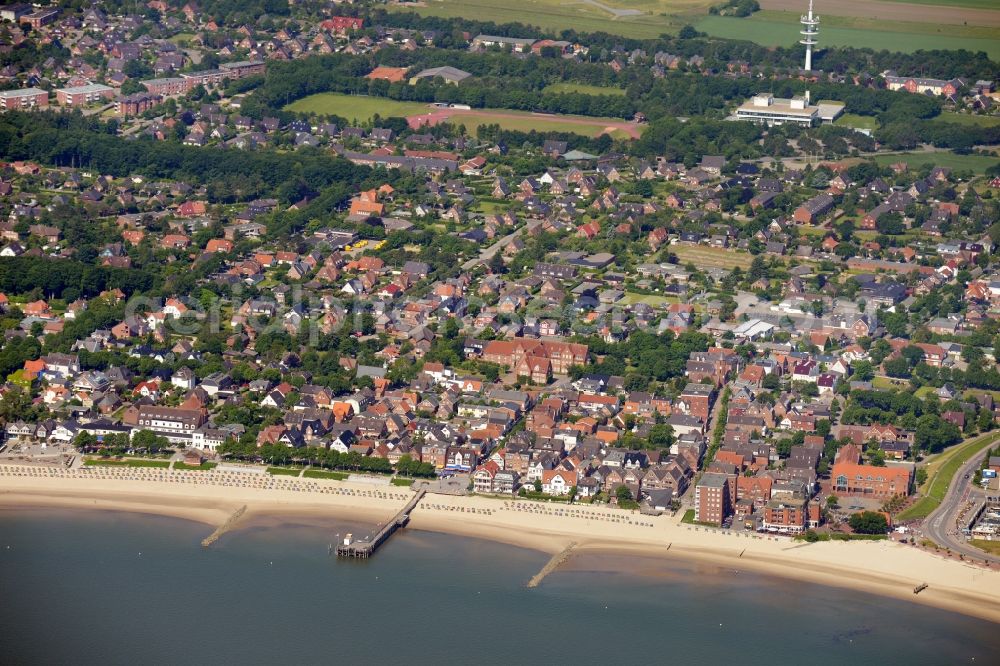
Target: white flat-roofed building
pixel 514 43
pixel 765 108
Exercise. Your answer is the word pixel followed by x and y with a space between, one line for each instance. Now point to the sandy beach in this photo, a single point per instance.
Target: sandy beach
pixel 879 567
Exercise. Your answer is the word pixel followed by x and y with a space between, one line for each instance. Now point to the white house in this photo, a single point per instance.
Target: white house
pixel 558 482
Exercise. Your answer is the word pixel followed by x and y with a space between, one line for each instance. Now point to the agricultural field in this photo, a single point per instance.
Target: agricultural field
pixel 355 107
pixel 566 87
pixel 973 4
pixel 976 163
pixel 934 12
pixel 878 24
pixel 782 29
pixel 638 19
pixel 713 257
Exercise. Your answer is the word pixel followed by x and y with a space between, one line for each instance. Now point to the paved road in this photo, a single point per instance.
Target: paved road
pixel 940 525
pixel 488 253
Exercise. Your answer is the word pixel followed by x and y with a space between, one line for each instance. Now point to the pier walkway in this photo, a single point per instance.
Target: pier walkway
pixel 365 547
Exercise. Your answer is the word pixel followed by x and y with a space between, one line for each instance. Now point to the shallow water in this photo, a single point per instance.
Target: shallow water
pixel 89 587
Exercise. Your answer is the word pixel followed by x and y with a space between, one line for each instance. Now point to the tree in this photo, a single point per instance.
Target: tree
pixel 863 371
pixel 771 381
pixel 869 522
pixel 832 501
pixel 661 435
pixel 623 494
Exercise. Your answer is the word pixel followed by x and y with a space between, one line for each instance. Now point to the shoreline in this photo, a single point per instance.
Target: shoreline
pixel 884 568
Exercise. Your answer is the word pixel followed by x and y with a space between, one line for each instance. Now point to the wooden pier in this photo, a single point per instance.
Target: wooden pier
pixel 365 547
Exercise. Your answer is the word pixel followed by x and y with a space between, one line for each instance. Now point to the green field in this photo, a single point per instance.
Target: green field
pixel 182 37
pixel 970 120
pixel 940 472
pixel 320 474
pixel 283 471
pixel 929 28
pixel 403 483
pixel 711 257
pixel 652 300
pixel 361 108
pixel 777 29
pixel 558 15
pixel 987 546
pixel 856 121
pixel 204 467
pixel 976 163
pixel 567 87
pixel 125 462
pixel 523 121
pixel 355 107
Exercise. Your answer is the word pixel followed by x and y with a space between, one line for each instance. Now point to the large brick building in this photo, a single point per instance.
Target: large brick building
pixel 561 355
pixel 133 105
pixel 790 515
pixel 923 85
pixel 243 68
pixel 712 499
pixel 24 98
pixel 40 18
pixel 173 85
pixel 696 400
pixel 852 478
pixel 812 209
pixel 83 95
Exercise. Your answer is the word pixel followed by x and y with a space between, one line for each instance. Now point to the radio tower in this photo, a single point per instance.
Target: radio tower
pixel 810 31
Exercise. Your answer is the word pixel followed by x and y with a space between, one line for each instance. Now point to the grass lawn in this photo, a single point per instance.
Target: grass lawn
pixel 361 108
pixel 940 472
pixel 714 257
pixel 992 547
pixel 883 383
pixel 567 87
pixel 321 474
pixel 125 462
pixel 856 121
pixel 975 163
pixel 283 471
pixel 688 517
pixel 631 298
pixel 558 15
pixel 525 121
pixel 204 467
pixel 182 37
pixel 355 107
pixel 782 29
pixel 969 119
pixel 405 483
